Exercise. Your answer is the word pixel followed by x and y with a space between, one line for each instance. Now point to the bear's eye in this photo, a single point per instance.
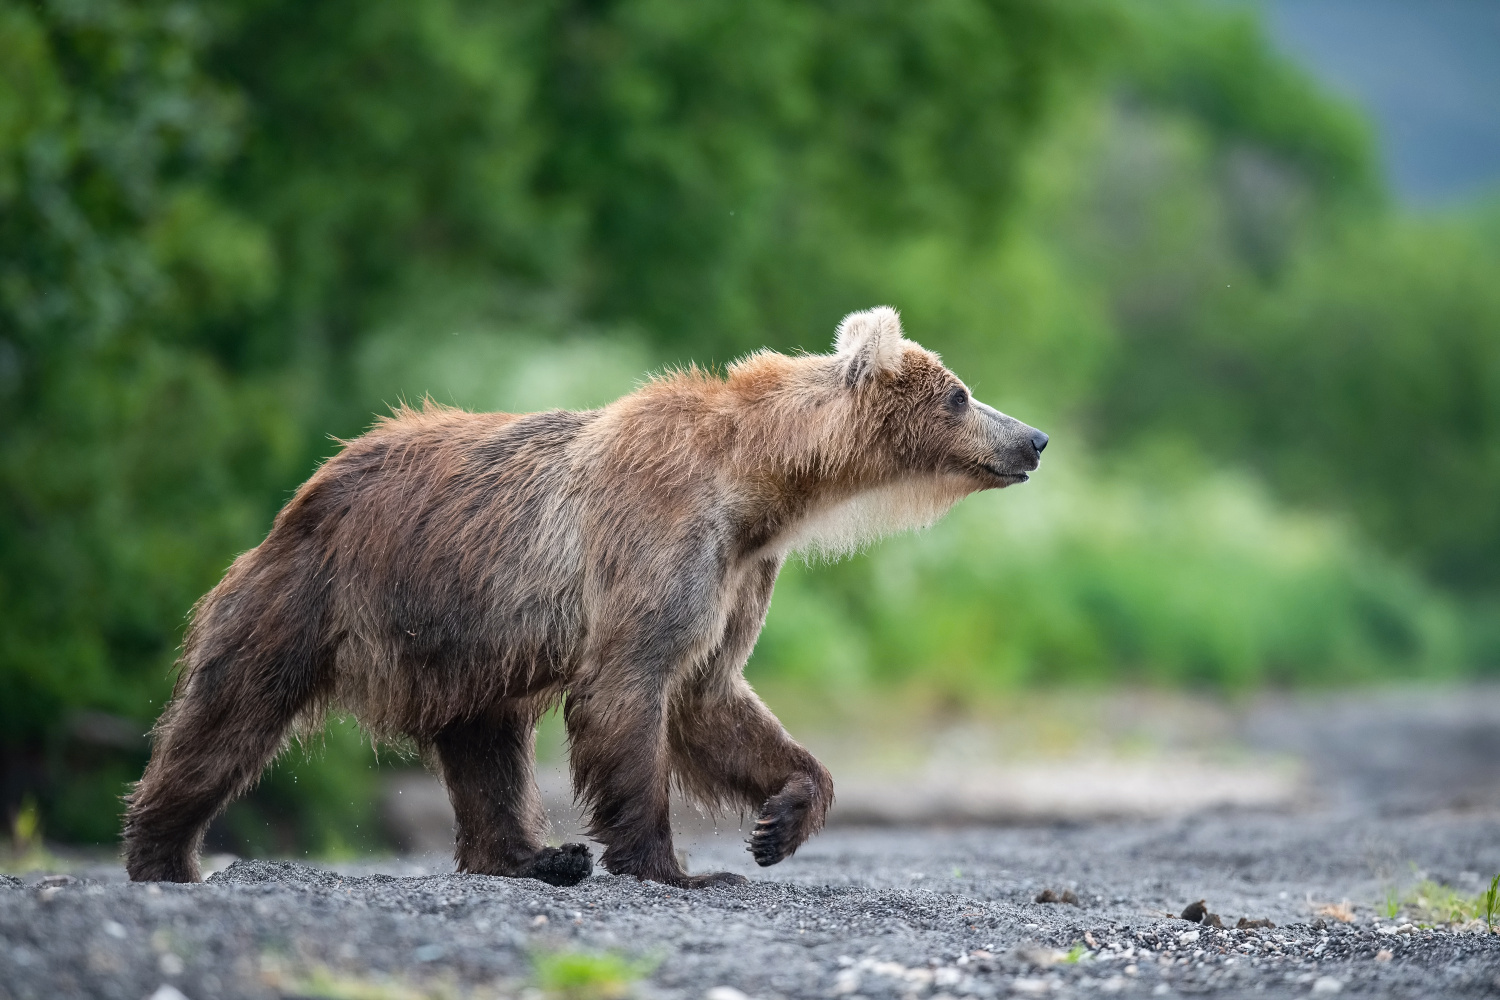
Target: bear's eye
pixel 958 398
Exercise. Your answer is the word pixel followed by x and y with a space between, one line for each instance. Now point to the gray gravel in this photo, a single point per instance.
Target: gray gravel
pixel 1405 786
pixel 860 913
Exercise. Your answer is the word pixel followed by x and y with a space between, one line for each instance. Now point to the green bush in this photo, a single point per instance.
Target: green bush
pixel 1083 578
pixel 1366 379
pixel 231 228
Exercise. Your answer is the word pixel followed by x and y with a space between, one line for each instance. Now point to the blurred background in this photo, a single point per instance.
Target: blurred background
pixel 1241 260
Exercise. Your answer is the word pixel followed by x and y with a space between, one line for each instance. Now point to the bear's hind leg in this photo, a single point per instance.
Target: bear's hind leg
pixel 488 766
pixel 215 738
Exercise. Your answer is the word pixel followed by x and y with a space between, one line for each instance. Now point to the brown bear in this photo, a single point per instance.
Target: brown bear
pixel 449 576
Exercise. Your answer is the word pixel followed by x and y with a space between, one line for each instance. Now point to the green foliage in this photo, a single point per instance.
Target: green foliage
pixel 132 466
pixel 580 975
pixel 1367 379
pixel 1433 902
pixel 331 984
pixel 1377 376
pixel 1490 902
pixel 1214 65
pixel 229 228
pixel 705 170
pixel 1087 578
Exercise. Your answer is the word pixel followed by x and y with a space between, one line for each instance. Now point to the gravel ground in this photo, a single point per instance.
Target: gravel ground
pixel 1403 786
pixel 858 913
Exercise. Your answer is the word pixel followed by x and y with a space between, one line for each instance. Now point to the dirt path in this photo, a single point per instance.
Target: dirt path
pixel 891 913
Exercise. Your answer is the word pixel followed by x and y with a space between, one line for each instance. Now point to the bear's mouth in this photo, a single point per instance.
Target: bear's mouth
pixel 1006 478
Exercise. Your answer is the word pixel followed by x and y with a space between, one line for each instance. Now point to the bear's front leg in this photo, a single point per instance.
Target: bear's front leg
pixel 618 748
pixel 729 749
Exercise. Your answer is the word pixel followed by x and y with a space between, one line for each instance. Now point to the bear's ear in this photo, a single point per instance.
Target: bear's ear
pixel 868 342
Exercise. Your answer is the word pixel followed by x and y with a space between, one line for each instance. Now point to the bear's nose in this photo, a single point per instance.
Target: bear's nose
pixel 1039 442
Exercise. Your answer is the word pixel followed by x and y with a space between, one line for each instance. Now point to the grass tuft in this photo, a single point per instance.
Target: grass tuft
pixel 328 984
pixel 1433 902
pixel 579 975
pixel 1491 903
pixel 28 852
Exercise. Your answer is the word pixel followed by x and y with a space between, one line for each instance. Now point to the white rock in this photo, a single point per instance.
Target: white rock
pixel 169 964
pixel 1327 984
pixel 166 991
pixel 724 993
pixel 114 929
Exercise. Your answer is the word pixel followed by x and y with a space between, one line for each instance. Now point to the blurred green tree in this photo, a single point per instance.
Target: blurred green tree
pixel 224 222
pixel 132 466
pixel 204 207
pixel 1366 380
pixel 692 168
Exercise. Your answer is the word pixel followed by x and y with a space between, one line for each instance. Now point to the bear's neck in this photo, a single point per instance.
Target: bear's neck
pixel 811 486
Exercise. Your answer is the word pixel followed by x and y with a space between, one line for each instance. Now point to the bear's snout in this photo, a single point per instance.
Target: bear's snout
pixel 1012 449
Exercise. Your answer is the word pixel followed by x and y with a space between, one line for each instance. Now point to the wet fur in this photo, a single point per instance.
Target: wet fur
pixel 449 576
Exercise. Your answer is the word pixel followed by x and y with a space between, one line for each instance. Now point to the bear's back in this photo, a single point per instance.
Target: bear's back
pixel 453 549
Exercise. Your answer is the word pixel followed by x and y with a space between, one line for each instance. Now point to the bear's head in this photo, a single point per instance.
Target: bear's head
pixel 919 418
pixel 892 438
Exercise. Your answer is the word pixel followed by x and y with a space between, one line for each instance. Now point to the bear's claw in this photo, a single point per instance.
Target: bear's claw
pixel 565 865
pixel 775 836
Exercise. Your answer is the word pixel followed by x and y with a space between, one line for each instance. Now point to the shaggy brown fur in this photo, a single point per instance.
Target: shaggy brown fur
pixel 449 576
